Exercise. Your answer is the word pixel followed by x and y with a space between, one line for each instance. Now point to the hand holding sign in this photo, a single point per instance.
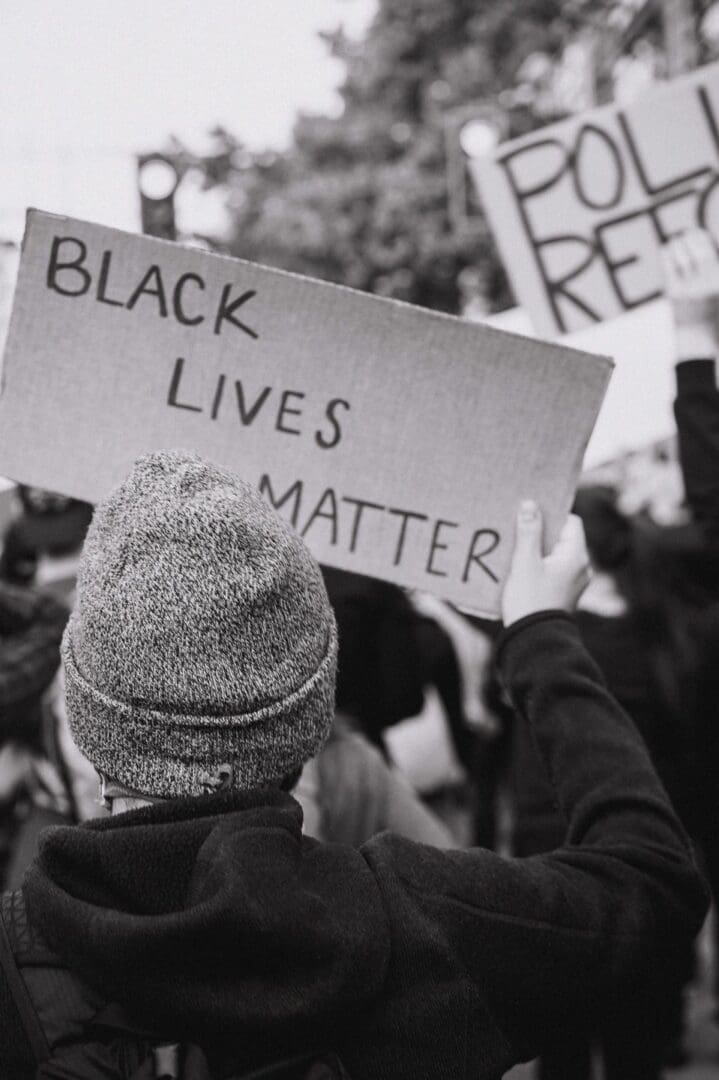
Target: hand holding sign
pixel 536 583
pixel 691 273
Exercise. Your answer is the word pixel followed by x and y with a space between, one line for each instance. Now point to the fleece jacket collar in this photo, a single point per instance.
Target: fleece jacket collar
pixel 213 915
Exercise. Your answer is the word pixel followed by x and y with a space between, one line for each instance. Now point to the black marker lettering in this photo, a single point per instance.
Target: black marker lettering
pixel 175 386
pixel 437 546
pixel 74 265
pixel 218 397
pixel 285 410
pixel 477 557
pixel 709 115
pixel 102 282
pixel 559 287
pixel 360 506
pixel 332 406
pixel 548 182
pixel 521 195
pixel 177 307
pixel 613 198
pixel 265 488
pixel 405 515
pixel 152 277
pixel 615 265
pixel 227 309
pixel 248 415
pixel 706 219
pixel 654 212
pixel 331 515
pixel 649 187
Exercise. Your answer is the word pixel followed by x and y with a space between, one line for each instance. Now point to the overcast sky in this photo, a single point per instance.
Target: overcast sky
pixel 121 75
pixel 85 84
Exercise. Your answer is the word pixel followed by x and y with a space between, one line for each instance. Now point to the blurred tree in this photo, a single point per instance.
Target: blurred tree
pixel 363 199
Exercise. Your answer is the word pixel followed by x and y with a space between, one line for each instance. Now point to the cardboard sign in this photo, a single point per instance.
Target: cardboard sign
pixel 396 440
pixel 580 208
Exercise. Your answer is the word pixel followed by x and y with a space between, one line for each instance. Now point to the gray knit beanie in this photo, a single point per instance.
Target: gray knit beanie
pixel 202 647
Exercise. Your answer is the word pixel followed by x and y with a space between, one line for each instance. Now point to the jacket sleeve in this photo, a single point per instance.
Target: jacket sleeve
pixel 696 409
pixel 540 937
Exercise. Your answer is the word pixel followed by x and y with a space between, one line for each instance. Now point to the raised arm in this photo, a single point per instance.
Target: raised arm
pixel 31 626
pixel 541 937
pixel 691 269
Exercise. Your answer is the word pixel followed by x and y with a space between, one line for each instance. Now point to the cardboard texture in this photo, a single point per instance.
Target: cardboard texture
pixel 396 440
pixel 580 208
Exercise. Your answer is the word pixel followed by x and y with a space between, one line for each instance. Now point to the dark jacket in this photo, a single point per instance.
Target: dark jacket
pixel 678 722
pixel 696 410
pixel 213 920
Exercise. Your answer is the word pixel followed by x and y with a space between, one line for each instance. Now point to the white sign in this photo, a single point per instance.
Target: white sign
pixel 580 208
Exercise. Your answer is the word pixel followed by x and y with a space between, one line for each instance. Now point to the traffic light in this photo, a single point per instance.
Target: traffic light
pixel 157 180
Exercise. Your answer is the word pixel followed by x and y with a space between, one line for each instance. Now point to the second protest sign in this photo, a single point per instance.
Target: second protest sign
pixel 581 208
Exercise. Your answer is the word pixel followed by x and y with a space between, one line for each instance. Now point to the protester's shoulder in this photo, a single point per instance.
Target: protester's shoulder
pixel 349 757
pixel 425 874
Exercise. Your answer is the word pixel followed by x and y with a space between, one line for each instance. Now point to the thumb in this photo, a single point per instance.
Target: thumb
pixel 528 540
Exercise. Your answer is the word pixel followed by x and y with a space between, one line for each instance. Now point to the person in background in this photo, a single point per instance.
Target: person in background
pixel 31 628
pixel 478 738
pixel 349 792
pixel 380 674
pixel 198 924
pixel 59 785
pixel 48 524
pixel 410 657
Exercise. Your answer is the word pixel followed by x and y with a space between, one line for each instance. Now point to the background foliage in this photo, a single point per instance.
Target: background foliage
pixel 364 198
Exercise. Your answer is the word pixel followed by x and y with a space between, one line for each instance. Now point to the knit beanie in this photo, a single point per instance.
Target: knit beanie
pixel 202 648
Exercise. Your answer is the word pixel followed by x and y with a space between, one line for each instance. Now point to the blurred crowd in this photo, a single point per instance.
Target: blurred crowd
pixel 425 741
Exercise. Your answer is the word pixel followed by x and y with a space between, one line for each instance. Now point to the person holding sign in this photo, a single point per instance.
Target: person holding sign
pixel 650 619
pixel 693 285
pixel 197 928
pixel 669 584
